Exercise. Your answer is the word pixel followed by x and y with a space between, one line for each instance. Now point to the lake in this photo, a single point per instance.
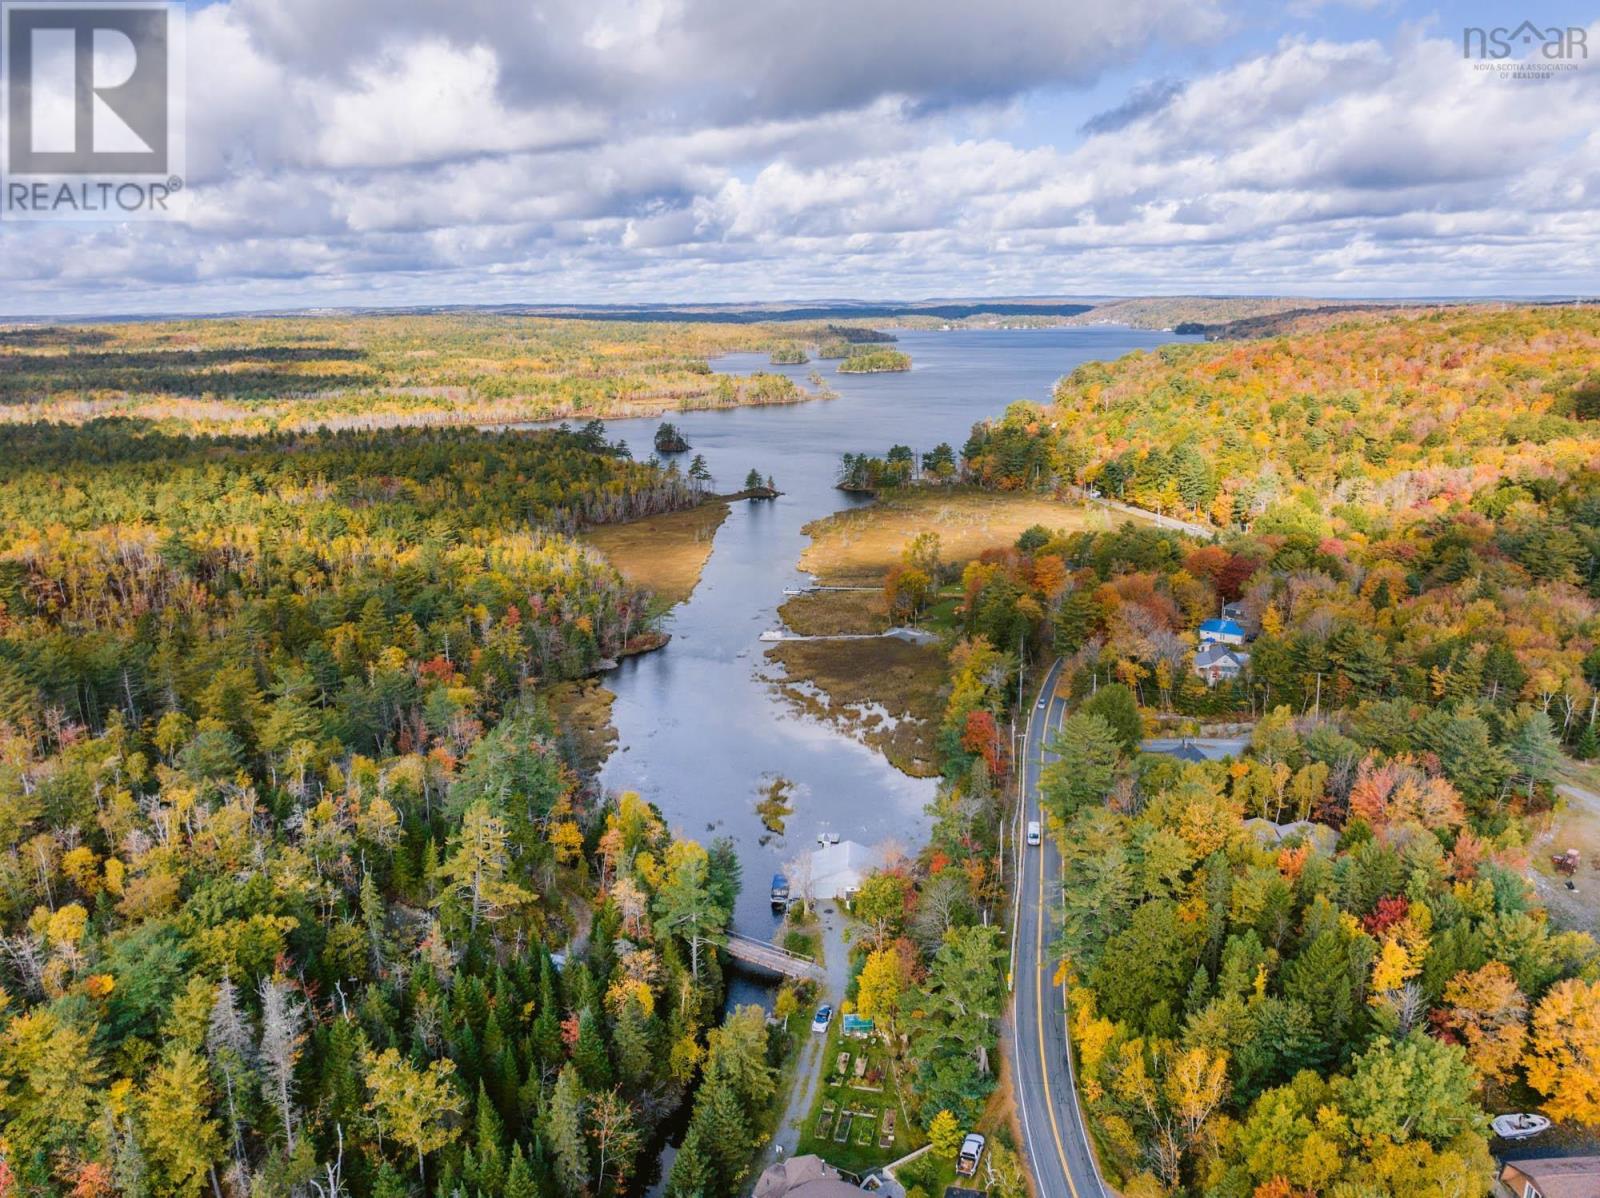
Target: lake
pixel 699 729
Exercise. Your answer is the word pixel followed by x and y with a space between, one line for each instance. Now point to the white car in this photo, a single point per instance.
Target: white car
pixel 1034 834
pixel 971 1153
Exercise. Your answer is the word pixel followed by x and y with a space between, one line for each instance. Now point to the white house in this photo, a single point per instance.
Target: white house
pixel 837 869
pixel 1217 662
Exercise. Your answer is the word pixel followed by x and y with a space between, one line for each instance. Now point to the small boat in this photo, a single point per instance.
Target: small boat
pixel 827 838
pixel 1519 1125
pixel 780 892
pixel 792 591
pixel 771 634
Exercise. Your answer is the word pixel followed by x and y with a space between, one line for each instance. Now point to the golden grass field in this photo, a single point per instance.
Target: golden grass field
pixel 665 553
pixel 856 546
pixel 890 693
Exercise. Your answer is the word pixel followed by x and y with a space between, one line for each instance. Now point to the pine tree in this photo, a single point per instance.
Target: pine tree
pixel 488 1171
pixel 633 1042
pixel 519 1177
pixel 1587 747
pixel 693 1173
pixel 564 1129
pixel 723 1120
pixel 590 1052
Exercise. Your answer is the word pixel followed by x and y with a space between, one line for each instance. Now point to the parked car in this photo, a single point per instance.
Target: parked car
pixel 971 1153
pixel 1034 835
pixel 821 1020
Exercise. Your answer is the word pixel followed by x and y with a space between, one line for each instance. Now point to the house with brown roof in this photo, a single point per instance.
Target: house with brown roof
pixel 1552 1177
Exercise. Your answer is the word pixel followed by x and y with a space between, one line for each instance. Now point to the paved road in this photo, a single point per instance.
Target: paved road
pixel 1054 1139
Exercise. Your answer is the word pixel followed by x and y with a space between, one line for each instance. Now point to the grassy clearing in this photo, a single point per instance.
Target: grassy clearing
pixel 829 613
pixel 665 553
pixel 1574 824
pixel 884 692
pixel 848 1119
pixel 855 547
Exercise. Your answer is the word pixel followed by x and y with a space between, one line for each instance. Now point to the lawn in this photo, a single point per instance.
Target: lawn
pixel 849 1124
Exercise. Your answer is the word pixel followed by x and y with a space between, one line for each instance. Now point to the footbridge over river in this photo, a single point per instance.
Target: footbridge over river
pixel 762 955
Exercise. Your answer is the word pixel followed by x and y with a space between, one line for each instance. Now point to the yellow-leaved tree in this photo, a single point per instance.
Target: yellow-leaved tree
pixel 1563 1061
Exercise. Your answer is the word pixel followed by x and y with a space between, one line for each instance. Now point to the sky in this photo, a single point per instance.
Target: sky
pixel 413 152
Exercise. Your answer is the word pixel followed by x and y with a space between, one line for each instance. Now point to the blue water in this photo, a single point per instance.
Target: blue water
pixel 699 726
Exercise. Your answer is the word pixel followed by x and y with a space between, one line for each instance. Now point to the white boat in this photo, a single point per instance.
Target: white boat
pixel 1518 1125
pixel 826 838
pixel 771 634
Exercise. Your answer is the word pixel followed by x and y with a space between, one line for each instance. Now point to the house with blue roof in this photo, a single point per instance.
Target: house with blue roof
pixel 1222 632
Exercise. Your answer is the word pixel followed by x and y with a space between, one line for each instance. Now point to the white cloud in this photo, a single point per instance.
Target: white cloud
pixel 683 149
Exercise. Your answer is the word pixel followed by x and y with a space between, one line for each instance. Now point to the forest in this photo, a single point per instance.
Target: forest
pixel 1317 968
pixel 303 891
pixel 288 374
pixel 1343 424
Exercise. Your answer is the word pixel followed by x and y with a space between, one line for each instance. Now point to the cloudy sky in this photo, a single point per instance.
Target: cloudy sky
pixel 393 152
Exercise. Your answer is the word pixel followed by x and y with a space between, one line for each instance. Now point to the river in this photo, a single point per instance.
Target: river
pixel 698 726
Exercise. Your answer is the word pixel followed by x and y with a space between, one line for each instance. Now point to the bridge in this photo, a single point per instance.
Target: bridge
pixel 772 958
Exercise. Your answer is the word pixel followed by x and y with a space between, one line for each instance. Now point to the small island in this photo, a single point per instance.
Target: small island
pixel 789 355
pixel 875 361
pixel 669 439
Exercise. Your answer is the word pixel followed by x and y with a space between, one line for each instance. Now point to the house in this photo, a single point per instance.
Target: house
pixel 1216 662
pixel 1183 751
pixel 1320 837
pixel 1553 1177
pixel 1222 632
pixel 837 869
pixel 813 1177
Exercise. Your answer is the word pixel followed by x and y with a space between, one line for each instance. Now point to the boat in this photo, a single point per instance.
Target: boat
pixel 780 892
pixel 826 838
pixel 771 634
pixel 1518 1125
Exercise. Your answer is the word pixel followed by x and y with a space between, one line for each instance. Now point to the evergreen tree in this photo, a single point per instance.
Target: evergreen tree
pixel 564 1131
pixel 519 1176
